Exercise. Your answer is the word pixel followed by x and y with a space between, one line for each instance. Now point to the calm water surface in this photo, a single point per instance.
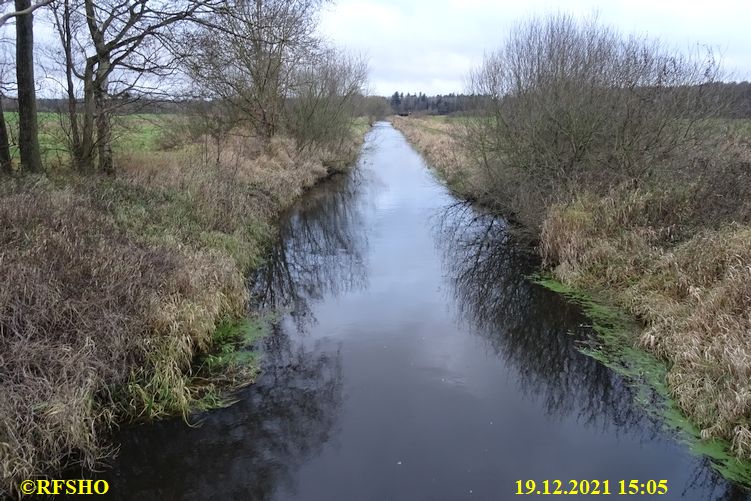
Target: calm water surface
pixel 414 362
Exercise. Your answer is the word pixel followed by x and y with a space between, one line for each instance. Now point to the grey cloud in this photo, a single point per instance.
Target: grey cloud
pixel 430 46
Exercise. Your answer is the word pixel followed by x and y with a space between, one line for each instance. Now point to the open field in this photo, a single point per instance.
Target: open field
pixel 686 279
pixel 140 132
pixel 113 286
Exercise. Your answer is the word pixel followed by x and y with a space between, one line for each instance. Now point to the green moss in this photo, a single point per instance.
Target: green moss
pixel 616 348
pixel 165 390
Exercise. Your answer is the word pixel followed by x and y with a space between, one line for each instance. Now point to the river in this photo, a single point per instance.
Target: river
pixel 413 361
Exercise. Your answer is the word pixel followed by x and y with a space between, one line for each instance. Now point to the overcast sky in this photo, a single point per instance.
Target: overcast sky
pixel 430 45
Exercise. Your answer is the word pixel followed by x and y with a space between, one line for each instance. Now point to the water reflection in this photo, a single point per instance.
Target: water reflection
pixel 253 449
pixel 320 251
pixel 704 478
pixel 531 329
pixel 526 325
pixel 247 451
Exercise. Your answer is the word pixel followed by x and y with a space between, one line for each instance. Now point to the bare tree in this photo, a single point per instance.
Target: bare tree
pixel 115 49
pixel 570 104
pixel 30 8
pixel 324 93
pixel 6 164
pixel 67 23
pixel 248 54
pixel 374 108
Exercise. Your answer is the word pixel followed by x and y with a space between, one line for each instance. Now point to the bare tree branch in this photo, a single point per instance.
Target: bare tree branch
pixel 6 17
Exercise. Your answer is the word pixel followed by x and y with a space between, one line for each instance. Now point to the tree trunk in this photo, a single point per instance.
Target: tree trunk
pixel 103 121
pixel 104 135
pixel 86 160
pixel 76 147
pixel 6 166
pixel 28 138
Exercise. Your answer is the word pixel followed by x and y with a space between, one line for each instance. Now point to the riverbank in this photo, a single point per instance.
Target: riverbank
pixel 113 286
pixel 689 285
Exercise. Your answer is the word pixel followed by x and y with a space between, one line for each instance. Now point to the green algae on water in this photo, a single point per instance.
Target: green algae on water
pixel 616 349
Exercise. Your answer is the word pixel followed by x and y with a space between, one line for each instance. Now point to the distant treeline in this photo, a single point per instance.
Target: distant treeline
pixel 431 105
pixel 738 93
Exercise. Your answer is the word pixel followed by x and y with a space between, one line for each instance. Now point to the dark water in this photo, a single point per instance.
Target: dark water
pixel 415 362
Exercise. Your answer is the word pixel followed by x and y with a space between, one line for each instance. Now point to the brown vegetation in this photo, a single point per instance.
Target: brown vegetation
pixel 693 297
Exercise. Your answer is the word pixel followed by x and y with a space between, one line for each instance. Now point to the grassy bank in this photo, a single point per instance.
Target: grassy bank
pixel 680 264
pixel 113 288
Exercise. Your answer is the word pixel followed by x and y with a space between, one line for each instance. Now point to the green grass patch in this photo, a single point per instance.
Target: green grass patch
pixel 360 126
pixel 139 132
pixel 233 362
pixel 168 216
pixel 233 341
pixel 136 132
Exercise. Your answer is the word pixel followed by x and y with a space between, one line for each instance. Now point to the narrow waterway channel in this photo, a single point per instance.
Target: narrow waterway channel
pixel 413 361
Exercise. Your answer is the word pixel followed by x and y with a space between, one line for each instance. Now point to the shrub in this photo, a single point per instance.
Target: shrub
pixel 571 104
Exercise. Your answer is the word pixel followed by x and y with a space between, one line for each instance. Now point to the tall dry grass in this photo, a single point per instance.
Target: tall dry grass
pixel 111 287
pixel 694 298
pixel 94 325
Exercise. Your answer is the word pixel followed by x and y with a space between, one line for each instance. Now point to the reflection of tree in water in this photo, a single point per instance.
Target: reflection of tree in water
pixel 320 250
pixel 539 333
pixel 253 448
pixel 705 478
pixel 525 324
pixel 247 451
